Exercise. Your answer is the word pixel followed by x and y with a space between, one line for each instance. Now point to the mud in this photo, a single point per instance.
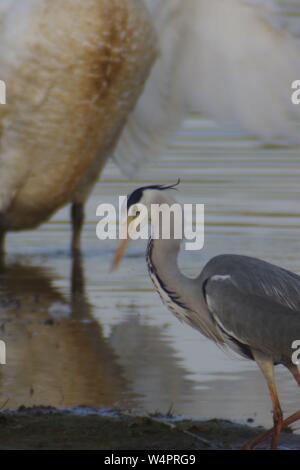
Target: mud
pixel 49 428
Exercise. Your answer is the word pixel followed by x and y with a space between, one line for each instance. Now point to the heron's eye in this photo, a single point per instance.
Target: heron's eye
pixel 138 214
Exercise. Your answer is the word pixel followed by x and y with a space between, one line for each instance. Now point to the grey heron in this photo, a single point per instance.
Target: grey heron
pixel 240 302
pixel 99 78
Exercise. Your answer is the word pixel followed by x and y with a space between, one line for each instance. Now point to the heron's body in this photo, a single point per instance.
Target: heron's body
pixel 243 303
pixel 232 294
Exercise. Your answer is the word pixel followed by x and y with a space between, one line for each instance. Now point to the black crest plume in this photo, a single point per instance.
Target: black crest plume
pixel 136 196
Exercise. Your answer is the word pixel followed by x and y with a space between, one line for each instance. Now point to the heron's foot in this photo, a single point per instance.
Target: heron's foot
pixel 250 445
pixel 253 443
pixel 274 432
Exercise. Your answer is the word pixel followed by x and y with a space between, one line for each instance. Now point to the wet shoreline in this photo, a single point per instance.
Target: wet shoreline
pixel 95 429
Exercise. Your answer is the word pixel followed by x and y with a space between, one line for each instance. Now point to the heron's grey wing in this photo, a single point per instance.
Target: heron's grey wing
pixel 256 308
pixel 253 276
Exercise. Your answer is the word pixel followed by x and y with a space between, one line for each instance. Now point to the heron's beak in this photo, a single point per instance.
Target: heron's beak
pixel 121 248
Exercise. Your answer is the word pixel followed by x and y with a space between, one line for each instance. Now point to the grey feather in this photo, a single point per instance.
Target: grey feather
pixel 254 303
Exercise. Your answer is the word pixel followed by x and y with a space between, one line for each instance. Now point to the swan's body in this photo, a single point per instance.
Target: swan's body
pixel 74 74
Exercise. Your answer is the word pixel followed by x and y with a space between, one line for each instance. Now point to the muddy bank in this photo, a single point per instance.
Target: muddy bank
pixel 48 428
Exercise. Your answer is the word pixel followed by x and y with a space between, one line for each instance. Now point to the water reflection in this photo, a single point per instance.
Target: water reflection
pixel 56 352
pixel 152 365
pixel 58 355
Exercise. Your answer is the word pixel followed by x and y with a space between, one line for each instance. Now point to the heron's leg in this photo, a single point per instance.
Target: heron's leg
pixel 296 374
pixel 288 421
pixel 267 368
pixel 262 437
pixel 77 216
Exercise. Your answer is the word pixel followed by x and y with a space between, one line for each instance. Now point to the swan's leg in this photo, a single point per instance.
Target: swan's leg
pixel 77 279
pixel 267 368
pixel 77 216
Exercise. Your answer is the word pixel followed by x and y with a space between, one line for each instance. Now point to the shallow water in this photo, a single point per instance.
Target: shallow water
pixel 109 341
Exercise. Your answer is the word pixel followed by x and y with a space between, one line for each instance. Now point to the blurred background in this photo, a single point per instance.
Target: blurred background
pixel 78 335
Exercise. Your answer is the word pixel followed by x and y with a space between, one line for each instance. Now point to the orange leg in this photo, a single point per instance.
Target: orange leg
pixel 287 422
pixel 267 368
pixel 262 437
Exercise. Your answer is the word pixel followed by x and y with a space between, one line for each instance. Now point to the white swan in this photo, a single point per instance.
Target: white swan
pixel 75 74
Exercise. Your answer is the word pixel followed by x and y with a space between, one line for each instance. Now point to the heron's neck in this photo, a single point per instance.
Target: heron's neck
pixel 162 260
pixel 182 295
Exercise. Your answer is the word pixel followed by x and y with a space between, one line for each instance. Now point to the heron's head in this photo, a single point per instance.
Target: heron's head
pixel 139 210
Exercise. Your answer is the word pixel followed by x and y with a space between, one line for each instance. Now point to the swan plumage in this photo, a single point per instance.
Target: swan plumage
pixel 73 73
pixel 233 61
